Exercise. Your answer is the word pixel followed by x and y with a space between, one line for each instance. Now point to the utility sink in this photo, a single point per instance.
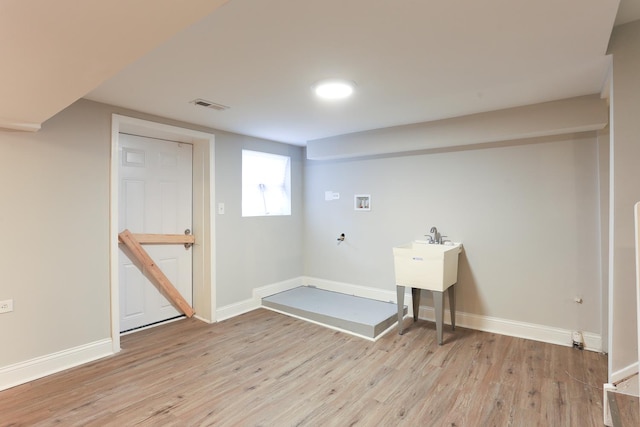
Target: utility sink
pixel 425 265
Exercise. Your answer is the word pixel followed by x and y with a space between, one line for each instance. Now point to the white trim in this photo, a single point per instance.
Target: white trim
pixel 624 373
pixel 357 290
pixel 20 373
pixel 274 288
pixel 612 249
pixel 514 328
pixel 636 216
pixel 606 409
pixel 19 126
pixel 203 217
pixel 241 307
pixel 113 231
pixel 593 342
pixel 531 331
pixel 236 309
pixel 211 238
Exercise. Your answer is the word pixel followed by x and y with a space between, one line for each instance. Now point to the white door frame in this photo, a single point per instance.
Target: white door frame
pixel 204 295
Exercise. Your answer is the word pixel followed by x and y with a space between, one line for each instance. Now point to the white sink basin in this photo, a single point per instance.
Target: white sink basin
pixel 427 266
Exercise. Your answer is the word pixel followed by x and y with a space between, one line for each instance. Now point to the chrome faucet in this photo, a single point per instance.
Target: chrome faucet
pixel 436 238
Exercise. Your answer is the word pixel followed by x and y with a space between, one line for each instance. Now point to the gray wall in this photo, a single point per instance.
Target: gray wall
pixel 625 176
pixel 54 219
pixel 527 214
pixel 254 251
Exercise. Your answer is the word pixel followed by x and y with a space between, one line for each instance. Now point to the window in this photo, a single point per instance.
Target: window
pixel 266 184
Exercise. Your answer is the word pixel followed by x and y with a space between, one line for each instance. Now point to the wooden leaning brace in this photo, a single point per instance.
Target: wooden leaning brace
pixel 132 242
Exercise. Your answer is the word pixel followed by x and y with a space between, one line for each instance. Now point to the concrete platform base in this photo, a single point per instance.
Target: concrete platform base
pixel 360 316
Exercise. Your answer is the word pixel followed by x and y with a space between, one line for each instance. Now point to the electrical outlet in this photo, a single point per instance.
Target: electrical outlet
pixel 6 306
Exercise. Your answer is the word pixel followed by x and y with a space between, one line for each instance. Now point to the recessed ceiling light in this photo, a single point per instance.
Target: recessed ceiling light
pixel 333 88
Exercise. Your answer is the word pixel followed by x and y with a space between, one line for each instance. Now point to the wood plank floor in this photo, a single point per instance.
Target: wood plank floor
pixel 266 369
pixel 625 409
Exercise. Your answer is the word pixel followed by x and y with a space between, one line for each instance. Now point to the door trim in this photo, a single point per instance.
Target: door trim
pixel 204 295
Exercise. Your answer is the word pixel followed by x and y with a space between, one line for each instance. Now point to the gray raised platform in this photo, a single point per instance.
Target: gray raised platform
pixel 361 316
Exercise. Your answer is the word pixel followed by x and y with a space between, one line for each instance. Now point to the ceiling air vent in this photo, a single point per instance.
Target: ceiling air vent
pixel 208 104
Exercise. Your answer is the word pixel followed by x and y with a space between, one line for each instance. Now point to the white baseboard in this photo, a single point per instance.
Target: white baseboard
pixel 265 291
pixel 357 290
pixel 514 328
pixel 29 370
pixel 624 373
pixel 20 373
pixel 236 309
pixel 532 331
pixel 593 342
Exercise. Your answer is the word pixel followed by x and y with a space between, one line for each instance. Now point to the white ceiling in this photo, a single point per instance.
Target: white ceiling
pixel 413 60
pixel 54 52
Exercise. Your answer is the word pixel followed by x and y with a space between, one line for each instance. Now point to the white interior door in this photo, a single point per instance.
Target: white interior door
pixel 155 196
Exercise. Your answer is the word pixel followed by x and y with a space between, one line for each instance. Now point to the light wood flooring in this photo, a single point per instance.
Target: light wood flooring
pixel 625 409
pixel 266 369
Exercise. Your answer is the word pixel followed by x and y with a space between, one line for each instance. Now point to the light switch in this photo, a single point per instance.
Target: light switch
pixel 221 208
pixel 330 195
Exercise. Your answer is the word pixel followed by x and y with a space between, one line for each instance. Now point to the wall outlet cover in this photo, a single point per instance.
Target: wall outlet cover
pixel 6 306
